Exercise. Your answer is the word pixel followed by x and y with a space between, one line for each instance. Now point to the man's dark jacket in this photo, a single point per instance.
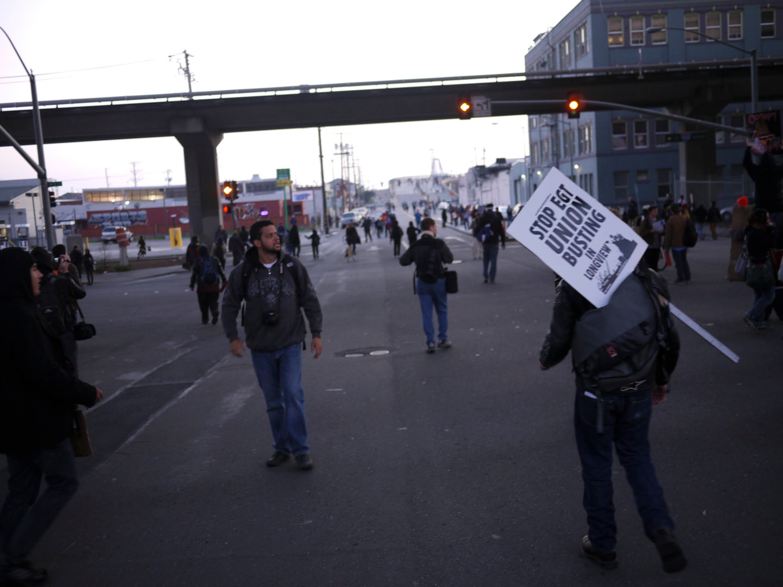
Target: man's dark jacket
pixel 422 251
pixel 569 307
pixel 37 396
pixel 498 232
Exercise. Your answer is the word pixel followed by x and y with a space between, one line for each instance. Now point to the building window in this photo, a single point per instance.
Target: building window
pixel 768 24
pixel 734 25
pixel 580 40
pixel 565 54
pixel 692 27
pixel 636 28
pixel 658 21
pixel 620 186
pixel 662 127
pixel 664 183
pixel 712 25
pixel 616 31
pixel 642 176
pixel 585 139
pixel 640 140
pixel 619 135
pixel 586 182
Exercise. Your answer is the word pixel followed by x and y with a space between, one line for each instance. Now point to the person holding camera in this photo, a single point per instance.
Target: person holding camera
pixel 275 288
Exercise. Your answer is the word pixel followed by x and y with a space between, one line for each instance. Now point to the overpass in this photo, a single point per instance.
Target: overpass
pixel 199 119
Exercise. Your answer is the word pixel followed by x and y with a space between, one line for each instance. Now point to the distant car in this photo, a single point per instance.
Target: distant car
pixel 348 218
pixel 109 234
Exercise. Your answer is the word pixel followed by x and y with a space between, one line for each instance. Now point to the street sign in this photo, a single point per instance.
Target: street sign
pixel 55 184
pixel 481 106
pixel 673 137
pixel 283 177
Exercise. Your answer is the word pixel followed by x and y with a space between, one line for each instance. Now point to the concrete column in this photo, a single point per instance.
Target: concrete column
pixel 201 175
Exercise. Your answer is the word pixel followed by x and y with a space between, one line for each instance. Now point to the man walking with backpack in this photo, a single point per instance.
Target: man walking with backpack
pixel 429 253
pixel 275 289
pixel 490 233
pixel 619 377
pixel 209 279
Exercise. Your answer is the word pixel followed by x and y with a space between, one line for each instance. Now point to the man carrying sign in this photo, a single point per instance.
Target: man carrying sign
pixel 611 313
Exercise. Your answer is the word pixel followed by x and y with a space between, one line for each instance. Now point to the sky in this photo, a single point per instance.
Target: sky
pixel 94 48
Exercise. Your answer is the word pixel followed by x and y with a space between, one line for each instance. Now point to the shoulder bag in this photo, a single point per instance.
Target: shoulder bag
pixel 82 330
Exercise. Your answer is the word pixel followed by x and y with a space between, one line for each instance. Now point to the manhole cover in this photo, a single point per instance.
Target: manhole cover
pixel 373 351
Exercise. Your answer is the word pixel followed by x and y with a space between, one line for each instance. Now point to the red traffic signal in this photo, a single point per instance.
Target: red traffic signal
pixel 574 105
pixel 464 108
pixel 227 208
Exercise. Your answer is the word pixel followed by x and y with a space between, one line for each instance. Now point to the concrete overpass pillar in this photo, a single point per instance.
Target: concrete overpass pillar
pixel 201 175
pixel 698 174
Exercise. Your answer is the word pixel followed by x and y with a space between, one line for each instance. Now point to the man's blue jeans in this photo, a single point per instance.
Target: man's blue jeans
pixel 279 374
pixel 626 426
pixel 433 294
pixel 680 255
pixel 26 516
pixel 490 262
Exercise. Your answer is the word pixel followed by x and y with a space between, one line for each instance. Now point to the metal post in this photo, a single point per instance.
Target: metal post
pixel 324 220
pixel 47 212
pixel 754 82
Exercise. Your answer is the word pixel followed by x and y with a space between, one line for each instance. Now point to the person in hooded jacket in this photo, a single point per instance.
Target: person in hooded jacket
pixel 60 293
pixel 37 402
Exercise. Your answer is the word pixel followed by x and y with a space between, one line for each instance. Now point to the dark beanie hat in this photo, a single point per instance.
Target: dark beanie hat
pixel 15 268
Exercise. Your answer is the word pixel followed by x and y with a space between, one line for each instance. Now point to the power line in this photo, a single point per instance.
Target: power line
pixel 24 78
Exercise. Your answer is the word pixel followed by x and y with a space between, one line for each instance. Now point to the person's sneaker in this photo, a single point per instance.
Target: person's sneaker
pixel 444 344
pixel 604 559
pixel 214 319
pixel 304 462
pixel 430 347
pixel 278 458
pixel 23 573
pixel 672 557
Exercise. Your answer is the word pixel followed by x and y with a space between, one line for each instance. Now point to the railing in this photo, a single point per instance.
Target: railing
pixel 387 84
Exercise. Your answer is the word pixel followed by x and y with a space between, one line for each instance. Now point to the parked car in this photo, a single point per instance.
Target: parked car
pixel 109 234
pixel 348 218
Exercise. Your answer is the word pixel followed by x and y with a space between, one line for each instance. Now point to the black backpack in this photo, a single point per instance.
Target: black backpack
pixel 429 265
pixel 630 343
pixel 208 274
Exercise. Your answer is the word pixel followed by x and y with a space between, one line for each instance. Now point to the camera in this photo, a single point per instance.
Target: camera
pixel 270 317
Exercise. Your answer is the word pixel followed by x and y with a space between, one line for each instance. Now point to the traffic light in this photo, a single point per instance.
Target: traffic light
pixel 52 199
pixel 574 105
pixel 464 108
pixel 230 190
pixel 227 208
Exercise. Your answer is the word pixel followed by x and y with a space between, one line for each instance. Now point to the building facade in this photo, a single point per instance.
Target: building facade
pixel 621 154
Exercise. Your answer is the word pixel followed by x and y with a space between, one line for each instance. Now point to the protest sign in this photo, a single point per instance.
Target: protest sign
pixel 578 238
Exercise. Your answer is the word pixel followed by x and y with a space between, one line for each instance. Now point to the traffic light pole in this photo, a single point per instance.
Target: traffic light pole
pixel 618 106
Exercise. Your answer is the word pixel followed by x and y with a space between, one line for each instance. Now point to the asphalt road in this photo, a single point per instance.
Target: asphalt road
pixel 453 469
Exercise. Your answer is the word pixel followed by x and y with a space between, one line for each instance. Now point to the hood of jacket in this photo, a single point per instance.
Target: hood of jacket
pixel 15 267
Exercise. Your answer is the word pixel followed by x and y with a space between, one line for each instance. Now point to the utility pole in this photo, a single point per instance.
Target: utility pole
pixel 324 220
pixel 135 173
pixel 185 70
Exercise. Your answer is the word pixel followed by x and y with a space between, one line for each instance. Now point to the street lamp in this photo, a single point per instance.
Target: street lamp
pixel 41 166
pixel 754 72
